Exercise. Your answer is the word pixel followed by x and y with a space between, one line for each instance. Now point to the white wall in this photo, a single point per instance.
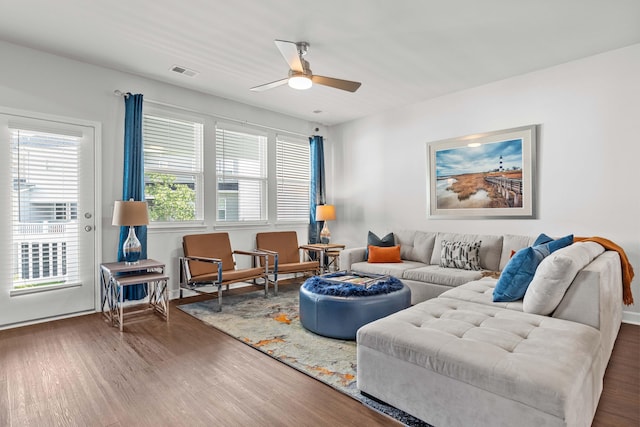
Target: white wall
pixel 588 155
pixel 376 175
pixel 38 82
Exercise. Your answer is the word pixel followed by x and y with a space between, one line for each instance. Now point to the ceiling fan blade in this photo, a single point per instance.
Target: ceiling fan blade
pixel 289 51
pixel 336 83
pixel 271 85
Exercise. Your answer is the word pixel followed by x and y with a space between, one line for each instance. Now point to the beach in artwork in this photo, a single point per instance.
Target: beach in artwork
pixel 486 176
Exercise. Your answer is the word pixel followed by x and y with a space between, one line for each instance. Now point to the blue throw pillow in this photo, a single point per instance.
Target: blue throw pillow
pixel 373 240
pixel 519 271
pixel 560 243
pixel 541 239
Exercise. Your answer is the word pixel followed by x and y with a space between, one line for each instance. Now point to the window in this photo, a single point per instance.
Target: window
pixel 293 172
pixel 241 175
pixel 173 171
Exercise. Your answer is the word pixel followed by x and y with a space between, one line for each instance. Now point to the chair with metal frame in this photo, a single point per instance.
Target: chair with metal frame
pixel 209 260
pixel 286 256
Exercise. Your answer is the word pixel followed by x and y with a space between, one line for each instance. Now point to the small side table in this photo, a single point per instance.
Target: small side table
pixel 115 276
pixel 330 254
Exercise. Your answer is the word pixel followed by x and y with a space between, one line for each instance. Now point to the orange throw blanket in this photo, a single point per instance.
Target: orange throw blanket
pixel 627 269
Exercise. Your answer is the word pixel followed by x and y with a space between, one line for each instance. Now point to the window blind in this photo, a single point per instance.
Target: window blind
pixel 293 175
pixel 241 174
pixel 44 203
pixel 173 168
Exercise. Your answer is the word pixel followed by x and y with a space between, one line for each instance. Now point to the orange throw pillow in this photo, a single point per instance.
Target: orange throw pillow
pixel 382 254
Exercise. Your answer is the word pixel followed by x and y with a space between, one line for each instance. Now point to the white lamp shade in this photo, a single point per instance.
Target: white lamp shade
pixel 325 213
pixel 130 213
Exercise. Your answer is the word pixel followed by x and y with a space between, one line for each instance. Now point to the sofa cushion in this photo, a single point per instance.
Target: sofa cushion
pixel 481 292
pixel 504 352
pixel 395 269
pixel 441 275
pixel 519 271
pixel 555 274
pixel 383 254
pixel 489 250
pixel 416 245
pixel 512 242
pixel 464 255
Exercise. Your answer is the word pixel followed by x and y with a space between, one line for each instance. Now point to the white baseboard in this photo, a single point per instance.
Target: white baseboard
pixel 631 317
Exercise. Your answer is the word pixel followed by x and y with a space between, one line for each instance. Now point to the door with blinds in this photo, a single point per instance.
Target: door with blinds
pixel 47 224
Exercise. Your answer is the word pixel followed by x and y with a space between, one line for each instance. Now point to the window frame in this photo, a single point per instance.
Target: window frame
pixel 297 140
pixel 265 180
pixel 169 113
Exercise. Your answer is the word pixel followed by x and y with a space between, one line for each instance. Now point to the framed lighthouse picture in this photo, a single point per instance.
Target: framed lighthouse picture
pixel 489 175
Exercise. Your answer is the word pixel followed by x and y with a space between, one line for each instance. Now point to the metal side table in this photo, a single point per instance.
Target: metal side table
pixel 115 276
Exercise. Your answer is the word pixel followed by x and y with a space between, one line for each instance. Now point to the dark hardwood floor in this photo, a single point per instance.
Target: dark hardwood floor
pixel 82 372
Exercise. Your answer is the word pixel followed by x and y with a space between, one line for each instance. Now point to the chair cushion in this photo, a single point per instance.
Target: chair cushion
pixel 231 276
pixel 297 267
pixel 283 242
pixel 208 245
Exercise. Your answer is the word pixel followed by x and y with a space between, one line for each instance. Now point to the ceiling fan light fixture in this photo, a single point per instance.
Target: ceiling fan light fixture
pixel 300 82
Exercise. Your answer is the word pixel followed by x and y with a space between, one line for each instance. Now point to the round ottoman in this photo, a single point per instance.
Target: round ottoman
pixel 338 310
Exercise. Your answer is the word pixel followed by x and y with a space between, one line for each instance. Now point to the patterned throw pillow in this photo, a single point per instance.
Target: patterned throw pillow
pixel 464 255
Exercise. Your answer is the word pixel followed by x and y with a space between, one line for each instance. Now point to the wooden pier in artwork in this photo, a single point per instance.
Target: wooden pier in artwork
pixel 510 188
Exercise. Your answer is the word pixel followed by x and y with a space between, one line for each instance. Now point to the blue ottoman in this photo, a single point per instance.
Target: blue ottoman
pixel 338 310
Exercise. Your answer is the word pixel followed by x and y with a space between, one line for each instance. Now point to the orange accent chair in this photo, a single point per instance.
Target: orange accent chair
pixel 285 255
pixel 209 260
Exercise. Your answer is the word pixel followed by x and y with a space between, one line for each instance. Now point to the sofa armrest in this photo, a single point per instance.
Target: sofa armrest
pixel 595 298
pixel 350 256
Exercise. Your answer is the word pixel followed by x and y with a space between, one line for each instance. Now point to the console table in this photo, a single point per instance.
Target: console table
pixel 115 276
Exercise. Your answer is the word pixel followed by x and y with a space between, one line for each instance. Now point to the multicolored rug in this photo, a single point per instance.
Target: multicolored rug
pixel 272 326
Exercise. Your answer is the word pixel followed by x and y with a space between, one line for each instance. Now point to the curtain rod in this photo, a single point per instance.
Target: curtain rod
pixel 118 92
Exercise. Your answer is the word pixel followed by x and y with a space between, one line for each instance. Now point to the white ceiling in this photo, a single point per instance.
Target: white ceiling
pixel 403 51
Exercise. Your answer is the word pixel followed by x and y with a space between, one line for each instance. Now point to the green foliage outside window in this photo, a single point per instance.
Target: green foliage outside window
pixel 169 201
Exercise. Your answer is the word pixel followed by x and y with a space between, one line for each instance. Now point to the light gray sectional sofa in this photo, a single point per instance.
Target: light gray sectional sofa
pixel 456 358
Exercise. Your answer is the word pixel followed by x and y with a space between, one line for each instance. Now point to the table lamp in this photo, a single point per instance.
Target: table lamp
pixel 131 213
pixel 325 213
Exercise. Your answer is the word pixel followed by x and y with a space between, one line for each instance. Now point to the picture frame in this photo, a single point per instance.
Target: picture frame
pixel 483 176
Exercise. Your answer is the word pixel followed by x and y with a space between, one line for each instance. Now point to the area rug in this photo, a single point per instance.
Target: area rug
pixel 272 326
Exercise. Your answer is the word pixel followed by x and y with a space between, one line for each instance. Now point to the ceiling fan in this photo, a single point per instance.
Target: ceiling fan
pixel 300 75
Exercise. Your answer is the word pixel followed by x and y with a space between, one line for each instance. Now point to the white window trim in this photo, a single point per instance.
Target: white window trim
pixel 172 113
pixel 218 224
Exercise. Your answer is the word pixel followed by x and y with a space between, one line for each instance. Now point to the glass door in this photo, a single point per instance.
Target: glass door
pixel 48 233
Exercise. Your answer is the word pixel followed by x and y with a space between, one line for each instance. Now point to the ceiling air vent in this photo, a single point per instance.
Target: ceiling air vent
pixel 183 70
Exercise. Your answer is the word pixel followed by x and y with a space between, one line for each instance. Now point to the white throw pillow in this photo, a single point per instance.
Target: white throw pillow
pixel 555 274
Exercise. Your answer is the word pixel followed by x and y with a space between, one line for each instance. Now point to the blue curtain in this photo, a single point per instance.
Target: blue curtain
pixel 317 190
pixel 133 180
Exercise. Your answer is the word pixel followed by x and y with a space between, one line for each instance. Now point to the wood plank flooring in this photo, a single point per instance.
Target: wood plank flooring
pixel 82 372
